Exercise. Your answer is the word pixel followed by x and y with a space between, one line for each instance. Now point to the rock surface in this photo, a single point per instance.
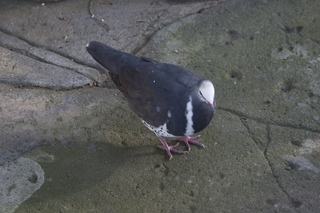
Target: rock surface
pixel 19 180
pixel 60 108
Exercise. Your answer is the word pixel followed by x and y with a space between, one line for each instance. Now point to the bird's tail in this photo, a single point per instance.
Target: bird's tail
pixel 110 58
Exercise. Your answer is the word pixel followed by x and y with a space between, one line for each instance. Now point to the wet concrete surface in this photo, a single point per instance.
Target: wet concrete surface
pixel 90 153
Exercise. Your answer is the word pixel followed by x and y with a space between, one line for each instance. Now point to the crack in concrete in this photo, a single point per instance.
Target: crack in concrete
pixel 265 154
pixel 270 122
pixel 34 45
pixel 267 124
pixel 22 46
pixel 255 140
pixel 39 59
pixel 28 54
pixel 148 38
pixel 94 17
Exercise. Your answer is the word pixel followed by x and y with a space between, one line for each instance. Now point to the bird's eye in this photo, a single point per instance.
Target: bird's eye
pixel 202 95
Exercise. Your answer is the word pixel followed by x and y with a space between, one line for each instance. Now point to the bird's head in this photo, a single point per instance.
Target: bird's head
pixel 207 92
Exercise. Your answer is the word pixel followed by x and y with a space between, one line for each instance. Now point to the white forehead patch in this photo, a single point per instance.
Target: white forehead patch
pixel 207 91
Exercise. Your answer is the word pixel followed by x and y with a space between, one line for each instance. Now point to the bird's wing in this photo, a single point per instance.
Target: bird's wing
pixel 154 90
pixel 151 88
pixel 146 91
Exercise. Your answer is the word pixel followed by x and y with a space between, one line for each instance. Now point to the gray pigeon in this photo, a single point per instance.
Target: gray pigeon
pixel 170 100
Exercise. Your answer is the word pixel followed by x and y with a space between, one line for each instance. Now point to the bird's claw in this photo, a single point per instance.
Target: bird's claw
pixel 187 140
pixel 170 149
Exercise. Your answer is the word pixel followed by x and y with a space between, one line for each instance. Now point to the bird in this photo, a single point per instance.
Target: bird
pixel 170 100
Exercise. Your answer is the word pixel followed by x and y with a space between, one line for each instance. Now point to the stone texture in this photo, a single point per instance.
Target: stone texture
pixel 60 109
pixel 19 180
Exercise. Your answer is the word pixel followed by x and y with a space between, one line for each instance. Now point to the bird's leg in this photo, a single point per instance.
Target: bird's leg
pixel 168 148
pixel 187 140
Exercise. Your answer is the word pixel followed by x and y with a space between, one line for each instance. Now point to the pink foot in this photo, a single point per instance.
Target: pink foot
pixel 170 149
pixel 187 140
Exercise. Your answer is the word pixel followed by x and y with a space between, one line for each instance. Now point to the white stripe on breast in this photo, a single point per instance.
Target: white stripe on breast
pixel 189 115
